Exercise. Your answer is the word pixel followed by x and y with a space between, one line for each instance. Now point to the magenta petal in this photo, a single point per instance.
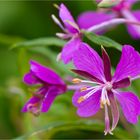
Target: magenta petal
pixel 51 94
pixel 31 101
pixel 124 4
pixel 134 30
pixel 122 83
pixel 90 106
pixel 88 60
pixel 107 65
pixel 90 18
pixel 87 75
pixel 129 65
pixel 130 105
pixel 45 74
pixel 114 111
pixel 65 15
pixel 69 49
pixel 31 79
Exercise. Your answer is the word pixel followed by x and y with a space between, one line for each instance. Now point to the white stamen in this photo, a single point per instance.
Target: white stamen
pixel 107 24
pixel 63 36
pixel 90 82
pixel 91 92
pixel 82 98
pixel 111 23
pixel 103 97
pixel 93 87
pixel 107 99
pixel 56 20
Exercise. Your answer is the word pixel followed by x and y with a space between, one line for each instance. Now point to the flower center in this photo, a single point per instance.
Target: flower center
pixel 108 85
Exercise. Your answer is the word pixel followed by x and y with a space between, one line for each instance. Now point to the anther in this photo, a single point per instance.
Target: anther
pixel 56 6
pixel 81 99
pixel 83 89
pixel 102 103
pixel 76 80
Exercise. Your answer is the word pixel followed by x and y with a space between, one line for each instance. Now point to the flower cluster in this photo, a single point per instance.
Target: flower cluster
pixel 98 88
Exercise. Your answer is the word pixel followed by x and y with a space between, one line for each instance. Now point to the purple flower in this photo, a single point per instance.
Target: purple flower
pixel 50 85
pixel 71 31
pixel 101 90
pixel 90 19
pixel 122 10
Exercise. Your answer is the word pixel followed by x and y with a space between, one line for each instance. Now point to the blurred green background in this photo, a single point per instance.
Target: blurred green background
pixel 26 20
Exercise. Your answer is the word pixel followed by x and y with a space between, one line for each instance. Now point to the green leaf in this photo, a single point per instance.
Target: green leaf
pixel 103 40
pixel 51 129
pixel 48 41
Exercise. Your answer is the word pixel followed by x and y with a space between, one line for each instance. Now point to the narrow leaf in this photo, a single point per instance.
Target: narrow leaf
pixel 103 40
pixel 85 125
pixel 48 41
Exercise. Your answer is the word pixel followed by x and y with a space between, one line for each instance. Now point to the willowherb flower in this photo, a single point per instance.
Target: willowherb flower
pixel 71 31
pixel 49 85
pixel 121 10
pixel 102 90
